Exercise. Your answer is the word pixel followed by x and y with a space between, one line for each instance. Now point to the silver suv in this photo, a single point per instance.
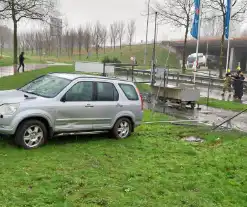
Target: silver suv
pixel 65 103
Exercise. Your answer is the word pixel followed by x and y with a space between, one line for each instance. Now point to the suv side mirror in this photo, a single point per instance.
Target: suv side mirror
pixel 63 99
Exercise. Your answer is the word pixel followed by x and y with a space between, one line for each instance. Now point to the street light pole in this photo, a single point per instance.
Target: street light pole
pixel 154 52
pixel 145 53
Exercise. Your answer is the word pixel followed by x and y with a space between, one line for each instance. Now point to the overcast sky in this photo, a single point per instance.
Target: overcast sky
pixel 106 11
pixel 80 12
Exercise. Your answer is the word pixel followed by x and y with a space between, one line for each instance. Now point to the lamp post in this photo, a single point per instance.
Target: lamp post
pixel 145 53
pixel 154 52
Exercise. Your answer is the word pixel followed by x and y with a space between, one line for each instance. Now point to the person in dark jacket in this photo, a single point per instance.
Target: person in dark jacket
pixel 238 85
pixel 21 62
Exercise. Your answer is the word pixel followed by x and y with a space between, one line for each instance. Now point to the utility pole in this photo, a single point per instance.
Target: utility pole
pixel 145 53
pixel 154 52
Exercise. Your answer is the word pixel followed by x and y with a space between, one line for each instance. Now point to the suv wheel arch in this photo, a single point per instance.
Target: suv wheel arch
pixel 130 119
pixel 41 119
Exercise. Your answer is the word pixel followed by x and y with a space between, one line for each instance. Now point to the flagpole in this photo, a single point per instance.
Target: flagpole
pixel 198 41
pixel 228 44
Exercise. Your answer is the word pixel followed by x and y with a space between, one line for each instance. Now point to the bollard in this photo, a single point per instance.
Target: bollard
pixel 177 79
pixel 132 73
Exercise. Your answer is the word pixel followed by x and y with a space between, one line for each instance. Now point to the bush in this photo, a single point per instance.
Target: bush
pixel 106 59
pixel 116 60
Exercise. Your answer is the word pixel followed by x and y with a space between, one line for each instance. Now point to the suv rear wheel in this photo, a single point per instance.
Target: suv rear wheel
pixel 31 134
pixel 122 128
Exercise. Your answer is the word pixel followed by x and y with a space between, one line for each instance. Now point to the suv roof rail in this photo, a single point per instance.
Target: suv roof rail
pixel 93 76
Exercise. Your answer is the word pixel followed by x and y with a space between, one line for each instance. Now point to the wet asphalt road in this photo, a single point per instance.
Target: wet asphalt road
pixel 206 115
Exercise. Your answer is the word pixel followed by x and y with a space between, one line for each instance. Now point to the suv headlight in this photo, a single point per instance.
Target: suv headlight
pixel 8 109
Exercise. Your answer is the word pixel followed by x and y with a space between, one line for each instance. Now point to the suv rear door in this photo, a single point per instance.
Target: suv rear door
pixel 132 102
pixel 106 105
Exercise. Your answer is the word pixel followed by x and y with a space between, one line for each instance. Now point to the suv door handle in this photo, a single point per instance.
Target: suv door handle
pixel 89 106
pixel 119 105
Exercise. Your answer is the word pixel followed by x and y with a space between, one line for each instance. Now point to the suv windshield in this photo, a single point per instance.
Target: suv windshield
pixel 47 86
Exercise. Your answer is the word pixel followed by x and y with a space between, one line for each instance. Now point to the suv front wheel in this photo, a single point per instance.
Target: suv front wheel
pixel 31 134
pixel 122 128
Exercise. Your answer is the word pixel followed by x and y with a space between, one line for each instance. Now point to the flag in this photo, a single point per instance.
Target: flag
pixel 195 26
pixel 227 18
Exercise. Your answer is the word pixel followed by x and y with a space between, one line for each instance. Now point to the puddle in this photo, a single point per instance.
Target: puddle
pixel 206 115
pixel 193 139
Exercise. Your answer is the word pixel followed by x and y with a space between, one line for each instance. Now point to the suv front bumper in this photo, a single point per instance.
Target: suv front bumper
pixel 6 126
pixel 6 130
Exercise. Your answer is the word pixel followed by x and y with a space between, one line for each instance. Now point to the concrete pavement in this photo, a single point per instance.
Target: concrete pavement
pixel 9 70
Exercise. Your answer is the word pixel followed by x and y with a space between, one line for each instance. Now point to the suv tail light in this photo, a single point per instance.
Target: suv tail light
pixel 140 97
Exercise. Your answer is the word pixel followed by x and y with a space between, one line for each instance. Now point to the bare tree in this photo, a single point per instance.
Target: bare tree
pixel 121 29
pixel 104 36
pixel 30 40
pixel 24 9
pixel 22 42
pixel 47 41
pixel 114 33
pixel 97 37
pixel 87 40
pixel 72 41
pixel 80 40
pixel 5 34
pixel 177 13
pixel 39 41
pixel 210 25
pixel 131 29
pixel 66 39
pixel 239 8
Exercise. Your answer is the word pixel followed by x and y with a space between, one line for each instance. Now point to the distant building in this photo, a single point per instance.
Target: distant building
pixel 211 46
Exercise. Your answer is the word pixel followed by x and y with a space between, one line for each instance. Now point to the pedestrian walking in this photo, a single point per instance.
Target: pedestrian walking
pixel 21 62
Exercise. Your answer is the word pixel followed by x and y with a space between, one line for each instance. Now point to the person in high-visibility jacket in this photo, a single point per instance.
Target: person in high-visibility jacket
pixel 238 68
pixel 227 84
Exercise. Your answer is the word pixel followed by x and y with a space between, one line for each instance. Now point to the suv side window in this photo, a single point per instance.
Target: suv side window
pixel 81 91
pixel 129 91
pixel 106 92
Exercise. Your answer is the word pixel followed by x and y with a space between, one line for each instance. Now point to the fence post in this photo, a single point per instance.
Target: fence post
pixel 209 82
pixel 104 69
pixel 132 73
pixel 177 79
pixel 167 76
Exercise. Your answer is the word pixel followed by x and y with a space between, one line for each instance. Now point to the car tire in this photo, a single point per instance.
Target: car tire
pixel 122 129
pixel 31 134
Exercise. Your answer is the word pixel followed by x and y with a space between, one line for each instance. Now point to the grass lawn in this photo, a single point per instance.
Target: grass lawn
pixel 153 167
pixel 124 55
pixel 18 80
pixel 226 105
